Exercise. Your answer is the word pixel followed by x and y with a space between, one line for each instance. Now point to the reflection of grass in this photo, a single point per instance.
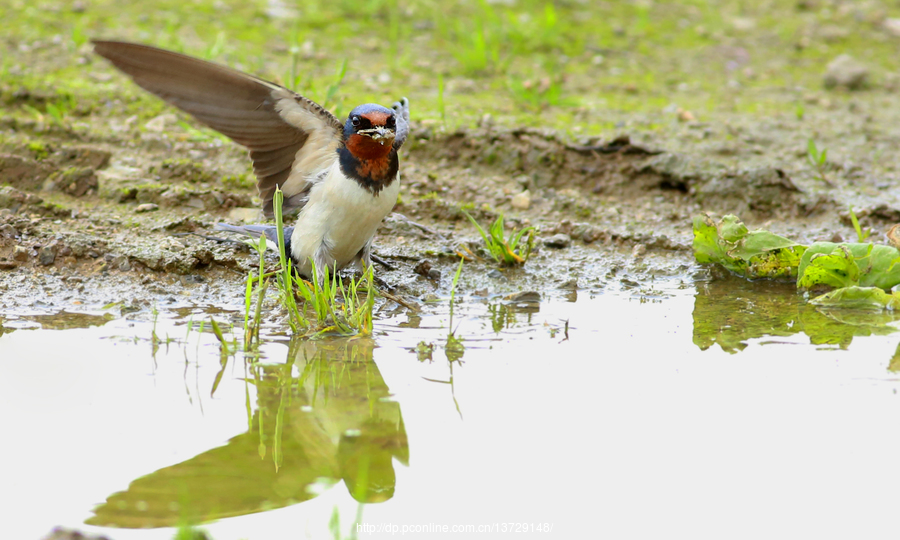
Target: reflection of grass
pixel 502 318
pixel 188 532
pixel 454 347
pixel 252 323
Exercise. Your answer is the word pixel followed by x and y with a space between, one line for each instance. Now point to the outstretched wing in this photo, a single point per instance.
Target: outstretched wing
pixel 291 139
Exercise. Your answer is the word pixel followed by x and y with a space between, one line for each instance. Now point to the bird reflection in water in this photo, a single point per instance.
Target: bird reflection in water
pixel 323 416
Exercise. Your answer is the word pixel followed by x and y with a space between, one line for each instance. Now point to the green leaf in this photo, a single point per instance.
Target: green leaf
pixel 875 265
pixel 835 269
pixel 859 298
pixel 752 254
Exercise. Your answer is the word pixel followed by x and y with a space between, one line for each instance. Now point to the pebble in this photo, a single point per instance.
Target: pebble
pixel 557 241
pixel 846 72
pixel 20 253
pixel 47 255
pixel 521 201
pixel 424 268
pixel 146 207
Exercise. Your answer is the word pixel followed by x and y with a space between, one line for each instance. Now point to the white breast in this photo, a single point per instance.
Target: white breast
pixel 338 220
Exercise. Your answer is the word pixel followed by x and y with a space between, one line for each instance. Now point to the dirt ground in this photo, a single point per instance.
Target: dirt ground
pixel 97 222
pixel 112 208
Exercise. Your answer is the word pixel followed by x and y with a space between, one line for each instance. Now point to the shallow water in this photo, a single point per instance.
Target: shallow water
pixel 714 408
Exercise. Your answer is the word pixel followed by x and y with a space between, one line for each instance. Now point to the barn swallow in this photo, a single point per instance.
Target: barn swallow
pixel 340 180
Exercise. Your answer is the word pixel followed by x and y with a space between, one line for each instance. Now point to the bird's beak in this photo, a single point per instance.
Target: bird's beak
pixel 382 134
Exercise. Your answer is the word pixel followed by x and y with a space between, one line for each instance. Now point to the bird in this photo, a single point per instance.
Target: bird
pixel 340 180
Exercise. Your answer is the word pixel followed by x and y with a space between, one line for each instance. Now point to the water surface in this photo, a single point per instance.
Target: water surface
pixel 719 409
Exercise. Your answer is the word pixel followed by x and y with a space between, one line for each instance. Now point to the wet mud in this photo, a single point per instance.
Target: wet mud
pixel 110 212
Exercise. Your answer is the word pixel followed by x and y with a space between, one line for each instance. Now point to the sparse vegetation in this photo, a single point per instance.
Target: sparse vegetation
pixel 347 313
pixel 505 251
pixel 818 160
pixel 861 235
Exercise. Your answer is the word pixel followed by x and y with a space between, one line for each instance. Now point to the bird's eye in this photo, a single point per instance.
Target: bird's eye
pixel 355 121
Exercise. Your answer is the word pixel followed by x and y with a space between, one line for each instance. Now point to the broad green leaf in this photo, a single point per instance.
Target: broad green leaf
pixel 875 265
pixel 859 298
pixel 752 254
pixel 836 269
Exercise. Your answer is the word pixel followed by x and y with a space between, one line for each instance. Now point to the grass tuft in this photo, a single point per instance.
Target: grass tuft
pixel 818 159
pixel 508 252
pixel 326 304
pixel 861 235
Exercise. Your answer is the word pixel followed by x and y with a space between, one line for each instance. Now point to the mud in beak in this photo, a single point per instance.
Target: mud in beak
pixel 382 134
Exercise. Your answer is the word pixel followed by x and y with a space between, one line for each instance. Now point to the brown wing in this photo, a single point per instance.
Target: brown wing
pixel 273 122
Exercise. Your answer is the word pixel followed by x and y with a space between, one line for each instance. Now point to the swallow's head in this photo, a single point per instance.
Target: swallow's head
pixel 369 132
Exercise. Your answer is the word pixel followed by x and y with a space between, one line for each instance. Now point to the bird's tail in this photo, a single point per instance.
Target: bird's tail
pixel 255 231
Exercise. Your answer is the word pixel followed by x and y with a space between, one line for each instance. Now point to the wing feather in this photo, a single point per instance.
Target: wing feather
pixel 273 122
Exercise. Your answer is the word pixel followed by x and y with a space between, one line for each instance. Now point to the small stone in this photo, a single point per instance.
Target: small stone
pixel 495 274
pixel 47 255
pixel 20 253
pixel 521 201
pixel 638 251
pixel 7 265
pixel 146 207
pixel 557 241
pixel 846 72
pixel 8 231
pixel 423 268
pixel 685 115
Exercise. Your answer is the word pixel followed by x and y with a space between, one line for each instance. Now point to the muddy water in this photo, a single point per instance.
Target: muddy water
pixel 712 407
